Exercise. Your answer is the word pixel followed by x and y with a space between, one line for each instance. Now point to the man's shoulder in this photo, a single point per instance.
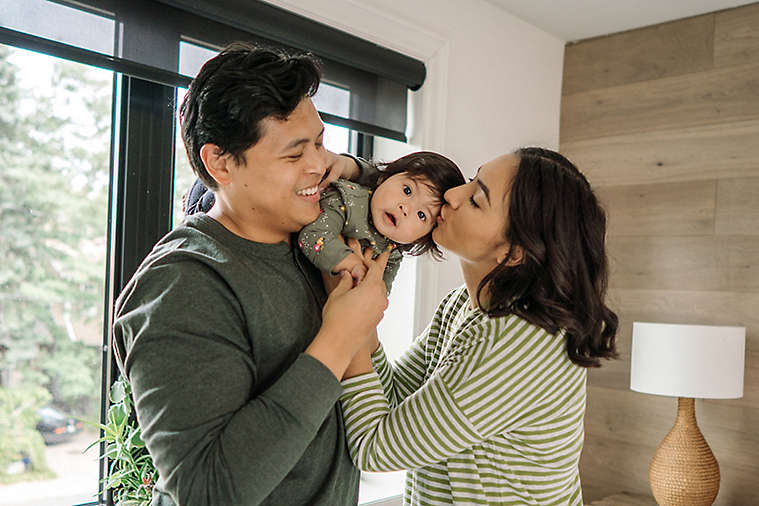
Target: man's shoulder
pixel 187 257
pixel 198 240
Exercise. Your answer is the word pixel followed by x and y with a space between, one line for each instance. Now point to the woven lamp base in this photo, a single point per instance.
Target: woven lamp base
pixel 684 471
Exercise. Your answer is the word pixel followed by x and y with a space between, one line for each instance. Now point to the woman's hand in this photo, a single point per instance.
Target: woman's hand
pixel 338 166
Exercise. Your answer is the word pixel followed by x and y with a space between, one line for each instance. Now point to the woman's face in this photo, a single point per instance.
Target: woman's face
pixel 472 222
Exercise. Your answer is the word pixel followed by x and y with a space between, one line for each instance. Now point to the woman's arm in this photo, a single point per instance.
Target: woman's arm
pixel 406 375
pixel 505 375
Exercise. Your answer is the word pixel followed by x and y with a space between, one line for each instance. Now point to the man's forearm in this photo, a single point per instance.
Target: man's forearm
pixel 207 450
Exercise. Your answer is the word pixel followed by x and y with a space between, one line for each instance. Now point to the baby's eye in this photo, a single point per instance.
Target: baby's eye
pixel 421 215
pixel 406 190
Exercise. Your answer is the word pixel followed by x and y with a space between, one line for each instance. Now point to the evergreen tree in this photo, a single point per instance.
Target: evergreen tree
pixel 54 160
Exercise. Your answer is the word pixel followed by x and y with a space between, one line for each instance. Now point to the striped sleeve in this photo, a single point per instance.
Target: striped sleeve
pixel 502 374
pixel 405 376
pixel 525 376
pixel 425 428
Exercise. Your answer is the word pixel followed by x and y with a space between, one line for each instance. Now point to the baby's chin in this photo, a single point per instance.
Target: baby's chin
pixel 401 240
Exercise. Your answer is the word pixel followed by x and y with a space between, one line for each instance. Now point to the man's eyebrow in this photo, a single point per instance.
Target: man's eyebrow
pixel 297 142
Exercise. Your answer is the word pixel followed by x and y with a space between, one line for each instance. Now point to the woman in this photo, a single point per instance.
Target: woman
pixel 487 405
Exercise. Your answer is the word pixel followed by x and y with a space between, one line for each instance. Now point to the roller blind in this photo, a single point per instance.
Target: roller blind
pixel 142 38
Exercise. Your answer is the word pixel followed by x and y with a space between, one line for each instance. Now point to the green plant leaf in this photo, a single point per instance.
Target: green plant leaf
pixel 118 392
pixel 117 416
pixel 135 439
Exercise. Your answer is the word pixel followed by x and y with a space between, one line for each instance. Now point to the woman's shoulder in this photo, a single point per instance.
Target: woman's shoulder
pixel 511 327
pixel 452 302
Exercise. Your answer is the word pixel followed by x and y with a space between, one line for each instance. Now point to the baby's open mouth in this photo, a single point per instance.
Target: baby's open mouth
pixel 391 218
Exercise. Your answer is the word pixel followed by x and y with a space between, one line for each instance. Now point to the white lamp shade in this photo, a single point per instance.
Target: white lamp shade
pixel 698 361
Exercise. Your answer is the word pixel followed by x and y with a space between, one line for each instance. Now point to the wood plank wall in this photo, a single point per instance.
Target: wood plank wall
pixel 664 120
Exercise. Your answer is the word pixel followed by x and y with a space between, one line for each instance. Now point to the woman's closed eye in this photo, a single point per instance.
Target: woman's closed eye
pixel 471 197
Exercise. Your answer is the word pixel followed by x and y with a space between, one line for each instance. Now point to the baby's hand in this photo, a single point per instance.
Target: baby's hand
pixel 354 265
pixel 338 166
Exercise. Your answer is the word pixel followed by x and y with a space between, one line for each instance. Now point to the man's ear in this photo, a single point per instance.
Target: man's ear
pixel 517 256
pixel 216 162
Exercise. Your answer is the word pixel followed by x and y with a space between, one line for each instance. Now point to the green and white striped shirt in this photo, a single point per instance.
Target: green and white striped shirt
pixel 479 410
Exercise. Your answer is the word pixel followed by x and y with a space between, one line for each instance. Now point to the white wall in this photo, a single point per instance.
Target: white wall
pixel 493 84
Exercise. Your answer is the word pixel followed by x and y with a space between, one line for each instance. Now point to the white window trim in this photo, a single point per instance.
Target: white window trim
pixel 428 109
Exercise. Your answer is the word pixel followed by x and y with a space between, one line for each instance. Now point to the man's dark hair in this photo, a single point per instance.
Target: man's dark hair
pixel 234 91
pixel 560 283
pixel 428 167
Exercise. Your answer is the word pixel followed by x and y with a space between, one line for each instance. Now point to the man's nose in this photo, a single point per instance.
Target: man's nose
pixel 316 161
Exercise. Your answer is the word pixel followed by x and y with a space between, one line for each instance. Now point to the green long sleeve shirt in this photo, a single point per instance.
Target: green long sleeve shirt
pixel 210 332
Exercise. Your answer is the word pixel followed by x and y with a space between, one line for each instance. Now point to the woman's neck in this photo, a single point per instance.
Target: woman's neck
pixel 474 273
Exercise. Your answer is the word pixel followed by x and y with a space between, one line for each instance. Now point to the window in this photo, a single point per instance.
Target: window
pixel 55 132
pixel 93 168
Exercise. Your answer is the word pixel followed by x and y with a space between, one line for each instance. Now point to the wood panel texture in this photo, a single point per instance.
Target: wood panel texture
pixel 660 209
pixel 664 121
pixel 738 206
pixel 639 55
pixel 721 95
pixel 736 36
pixel 713 263
pixel 664 156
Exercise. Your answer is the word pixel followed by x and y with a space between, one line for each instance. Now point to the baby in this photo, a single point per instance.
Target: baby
pixel 397 212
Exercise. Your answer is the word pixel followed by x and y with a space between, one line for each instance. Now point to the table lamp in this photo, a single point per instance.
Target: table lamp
pixel 686 361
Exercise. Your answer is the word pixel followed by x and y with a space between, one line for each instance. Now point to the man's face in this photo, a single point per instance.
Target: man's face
pixel 274 192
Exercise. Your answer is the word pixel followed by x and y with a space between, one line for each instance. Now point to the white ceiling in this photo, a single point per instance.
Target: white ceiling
pixel 572 20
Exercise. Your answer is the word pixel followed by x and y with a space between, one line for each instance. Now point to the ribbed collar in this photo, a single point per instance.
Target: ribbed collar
pixel 208 225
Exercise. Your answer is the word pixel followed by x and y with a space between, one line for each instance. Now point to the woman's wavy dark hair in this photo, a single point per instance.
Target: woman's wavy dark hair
pixel 560 283
pixel 234 91
pixel 421 165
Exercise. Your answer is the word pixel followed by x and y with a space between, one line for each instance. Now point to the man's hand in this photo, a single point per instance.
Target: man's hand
pixel 350 317
pixel 338 166
pixel 362 360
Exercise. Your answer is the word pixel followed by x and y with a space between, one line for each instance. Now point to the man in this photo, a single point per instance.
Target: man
pixel 234 366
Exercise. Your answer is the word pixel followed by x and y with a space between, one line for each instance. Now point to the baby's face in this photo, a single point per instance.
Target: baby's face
pixel 404 209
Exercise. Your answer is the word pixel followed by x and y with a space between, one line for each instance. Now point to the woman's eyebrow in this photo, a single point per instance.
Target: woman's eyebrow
pixel 485 189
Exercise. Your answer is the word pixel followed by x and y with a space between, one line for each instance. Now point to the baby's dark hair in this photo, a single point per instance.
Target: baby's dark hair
pixel 433 167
